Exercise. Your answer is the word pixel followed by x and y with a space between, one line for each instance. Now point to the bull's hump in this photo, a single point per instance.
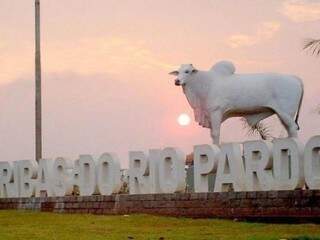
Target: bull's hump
pixel 224 68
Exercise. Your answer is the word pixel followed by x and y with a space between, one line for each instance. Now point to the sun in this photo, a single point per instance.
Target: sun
pixel 184 119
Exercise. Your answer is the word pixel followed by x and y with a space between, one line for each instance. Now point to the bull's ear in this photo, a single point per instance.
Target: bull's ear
pixel 194 70
pixel 175 73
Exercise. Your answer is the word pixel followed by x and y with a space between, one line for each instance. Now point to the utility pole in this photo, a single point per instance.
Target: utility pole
pixel 38 117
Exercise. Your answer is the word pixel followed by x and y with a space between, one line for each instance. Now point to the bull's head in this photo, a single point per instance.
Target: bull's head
pixel 184 74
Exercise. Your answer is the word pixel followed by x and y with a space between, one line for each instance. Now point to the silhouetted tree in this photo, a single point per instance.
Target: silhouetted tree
pixel 313 46
pixel 260 129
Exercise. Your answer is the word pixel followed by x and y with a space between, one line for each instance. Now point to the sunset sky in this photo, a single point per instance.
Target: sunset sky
pixel 105 64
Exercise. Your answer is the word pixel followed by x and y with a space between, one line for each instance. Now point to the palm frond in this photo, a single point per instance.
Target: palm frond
pixel 313 46
pixel 258 129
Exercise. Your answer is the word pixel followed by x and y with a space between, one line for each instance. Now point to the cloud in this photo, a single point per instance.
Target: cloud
pixel 114 54
pixel 266 31
pixel 104 55
pixel 241 40
pixel 301 10
pixel 110 55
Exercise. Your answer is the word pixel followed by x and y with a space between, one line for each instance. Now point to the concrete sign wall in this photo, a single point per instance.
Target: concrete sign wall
pixel 284 164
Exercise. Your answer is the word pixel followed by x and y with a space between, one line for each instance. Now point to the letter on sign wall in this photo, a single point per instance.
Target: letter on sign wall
pixel 62 171
pixel 205 162
pixel 44 175
pixel 258 164
pixel 288 164
pixel 172 171
pixel 87 175
pixel 28 174
pixel 154 158
pixel 230 169
pixel 312 163
pixel 9 180
pixel 75 174
pixel 138 173
pixel 108 174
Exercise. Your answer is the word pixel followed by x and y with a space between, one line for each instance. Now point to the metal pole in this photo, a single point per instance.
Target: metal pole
pixel 38 120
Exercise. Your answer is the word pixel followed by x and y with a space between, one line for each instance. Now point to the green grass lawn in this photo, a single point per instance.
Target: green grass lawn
pixel 34 225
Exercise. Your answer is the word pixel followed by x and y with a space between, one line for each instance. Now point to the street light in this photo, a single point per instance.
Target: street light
pixel 38 118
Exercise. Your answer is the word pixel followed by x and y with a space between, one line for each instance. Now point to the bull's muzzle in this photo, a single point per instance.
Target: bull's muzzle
pixel 177 82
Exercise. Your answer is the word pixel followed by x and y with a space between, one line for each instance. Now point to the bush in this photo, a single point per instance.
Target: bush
pixel 304 238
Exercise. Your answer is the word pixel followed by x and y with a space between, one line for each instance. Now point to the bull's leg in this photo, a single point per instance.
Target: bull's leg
pixel 289 123
pixel 215 118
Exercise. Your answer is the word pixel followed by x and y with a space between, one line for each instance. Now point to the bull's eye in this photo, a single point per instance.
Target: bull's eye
pixel 187 71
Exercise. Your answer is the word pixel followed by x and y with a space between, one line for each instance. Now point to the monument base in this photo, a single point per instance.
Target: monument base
pixel 271 205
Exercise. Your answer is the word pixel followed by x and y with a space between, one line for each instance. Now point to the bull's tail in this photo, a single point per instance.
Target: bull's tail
pixel 300 103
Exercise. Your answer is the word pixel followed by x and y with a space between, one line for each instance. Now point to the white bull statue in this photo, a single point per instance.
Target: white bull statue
pixel 220 93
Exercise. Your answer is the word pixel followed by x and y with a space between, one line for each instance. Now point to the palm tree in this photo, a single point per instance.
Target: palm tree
pixel 312 45
pixel 260 129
